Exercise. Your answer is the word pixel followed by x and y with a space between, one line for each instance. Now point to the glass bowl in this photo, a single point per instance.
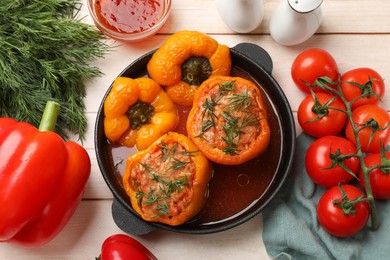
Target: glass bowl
pixel 136 35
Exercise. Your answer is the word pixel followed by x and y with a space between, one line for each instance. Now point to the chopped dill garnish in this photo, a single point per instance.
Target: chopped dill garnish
pixel 177 164
pixel 250 120
pixel 232 131
pixel 188 153
pixel 231 149
pixel 226 87
pixel 239 101
pixel 150 197
pixel 139 195
pixel 208 124
pixel 232 126
pixel 146 166
pixel 156 177
pixel 166 151
pixel 180 182
pixel 209 108
pixel 162 208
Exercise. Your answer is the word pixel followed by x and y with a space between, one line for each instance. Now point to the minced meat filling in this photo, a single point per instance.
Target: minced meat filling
pixel 164 179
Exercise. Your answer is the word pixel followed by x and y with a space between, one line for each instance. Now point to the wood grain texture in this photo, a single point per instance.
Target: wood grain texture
pixel 355 32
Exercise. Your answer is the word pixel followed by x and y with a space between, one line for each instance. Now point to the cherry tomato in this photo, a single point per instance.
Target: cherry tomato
pixel 371 82
pixel 311 64
pixel 319 163
pixel 332 218
pixel 370 115
pixel 380 181
pixel 317 117
pixel 123 247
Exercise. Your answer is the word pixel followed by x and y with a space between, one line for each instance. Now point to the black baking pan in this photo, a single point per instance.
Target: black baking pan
pixel 263 175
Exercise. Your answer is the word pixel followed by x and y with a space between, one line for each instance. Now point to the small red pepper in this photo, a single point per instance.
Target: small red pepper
pixel 42 180
pixel 123 247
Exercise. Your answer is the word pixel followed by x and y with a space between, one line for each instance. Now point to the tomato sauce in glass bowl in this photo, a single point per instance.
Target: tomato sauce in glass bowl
pixel 129 20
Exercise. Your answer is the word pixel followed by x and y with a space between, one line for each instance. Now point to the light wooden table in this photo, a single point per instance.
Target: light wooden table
pixel 355 32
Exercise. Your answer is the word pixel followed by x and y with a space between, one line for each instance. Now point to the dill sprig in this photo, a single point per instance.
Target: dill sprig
pixel 177 164
pixel 239 101
pixel 45 54
pixel 232 132
pixel 166 151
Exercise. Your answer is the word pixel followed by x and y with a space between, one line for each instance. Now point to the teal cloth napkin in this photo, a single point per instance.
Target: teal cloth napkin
pixel 291 229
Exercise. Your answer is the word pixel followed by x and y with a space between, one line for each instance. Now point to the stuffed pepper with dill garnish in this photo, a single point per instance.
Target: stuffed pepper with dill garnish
pixel 228 120
pixel 168 181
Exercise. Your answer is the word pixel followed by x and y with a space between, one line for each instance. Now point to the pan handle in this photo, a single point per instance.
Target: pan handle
pixel 255 53
pixel 128 222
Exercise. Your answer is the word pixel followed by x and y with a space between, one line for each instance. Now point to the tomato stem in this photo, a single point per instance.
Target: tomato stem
pixel 366 172
pixel 49 117
pixel 359 153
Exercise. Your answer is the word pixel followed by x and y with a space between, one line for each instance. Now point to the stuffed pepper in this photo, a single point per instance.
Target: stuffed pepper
pixel 168 182
pixel 185 60
pixel 228 121
pixel 137 112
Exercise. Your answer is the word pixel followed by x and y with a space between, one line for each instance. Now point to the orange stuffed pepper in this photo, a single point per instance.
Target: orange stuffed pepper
pixel 185 60
pixel 228 121
pixel 168 181
pixel 137 112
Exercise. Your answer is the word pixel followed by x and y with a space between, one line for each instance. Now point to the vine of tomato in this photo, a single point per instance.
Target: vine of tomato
pixel 371 138
pixel 371 84
pixel 320 115
pixel 339 222
pixel 379 180
pixel 321 161
pixel 311 64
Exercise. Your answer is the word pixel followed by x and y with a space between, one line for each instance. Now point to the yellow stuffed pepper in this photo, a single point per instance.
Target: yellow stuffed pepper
pixel 168 181
pixel 137 112
pixel 185 60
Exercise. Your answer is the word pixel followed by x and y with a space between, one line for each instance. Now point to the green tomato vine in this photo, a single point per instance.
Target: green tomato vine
pixel 325 83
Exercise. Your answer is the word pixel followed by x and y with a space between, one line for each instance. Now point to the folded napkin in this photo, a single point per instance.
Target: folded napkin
pixel 291 229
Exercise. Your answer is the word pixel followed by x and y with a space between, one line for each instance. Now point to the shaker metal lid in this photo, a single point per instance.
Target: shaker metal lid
pixel 304 6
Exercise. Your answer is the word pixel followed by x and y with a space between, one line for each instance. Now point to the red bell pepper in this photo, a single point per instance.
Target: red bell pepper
pixel 42 180
pixel 123 247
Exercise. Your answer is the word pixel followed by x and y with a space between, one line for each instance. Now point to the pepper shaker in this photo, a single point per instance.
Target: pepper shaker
pixel 295 21
pixel 241 16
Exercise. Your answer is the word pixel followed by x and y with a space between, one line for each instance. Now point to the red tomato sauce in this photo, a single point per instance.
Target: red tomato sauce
pixel 129 16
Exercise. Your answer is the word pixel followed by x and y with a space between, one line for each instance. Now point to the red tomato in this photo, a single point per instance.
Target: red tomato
pixel 370 79
pixel 332 217
pixel 123 247
pixel 311 64
pixel 380 181
pixel 318 161
pixel 373 115
pixel 317 118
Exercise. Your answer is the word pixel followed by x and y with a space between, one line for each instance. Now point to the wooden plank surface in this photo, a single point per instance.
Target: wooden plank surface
pixel 355 32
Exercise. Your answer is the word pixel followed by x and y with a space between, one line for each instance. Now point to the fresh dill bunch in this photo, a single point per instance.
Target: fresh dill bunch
pixel 45 54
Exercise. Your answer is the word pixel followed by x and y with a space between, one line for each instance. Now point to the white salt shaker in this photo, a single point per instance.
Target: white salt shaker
pixel 295 21
pixel 241 16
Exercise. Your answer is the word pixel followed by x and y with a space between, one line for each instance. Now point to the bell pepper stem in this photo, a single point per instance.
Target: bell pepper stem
pixel 49 117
